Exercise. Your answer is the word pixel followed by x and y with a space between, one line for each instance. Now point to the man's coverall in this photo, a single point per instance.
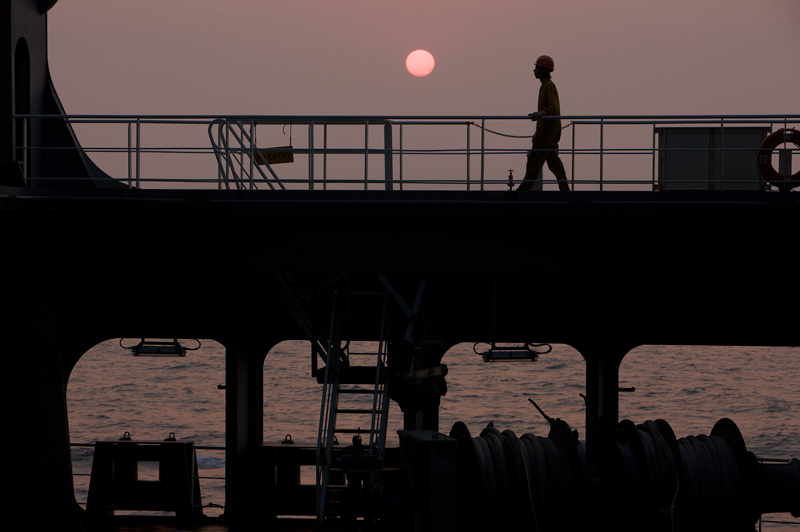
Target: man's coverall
pixel 545 141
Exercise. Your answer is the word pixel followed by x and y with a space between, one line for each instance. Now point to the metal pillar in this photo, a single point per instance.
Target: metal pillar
pixel 36 490
pixel 602 393
pixel 244 428
pixel 418 383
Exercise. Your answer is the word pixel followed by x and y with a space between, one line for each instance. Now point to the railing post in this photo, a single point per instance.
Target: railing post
pixel 325 156
pixel 311 155
pixel 401 156
pixel 240 151
pixel 655 154
pixel 130 156
pixel 138 152
pixel 228 161
pixel 227 155
pixel 252 153
pixel 468 148
pixel 483 151
pixel 366 154
pixel 388 164
pixel 785 153
pixel 602 129
pixel 572 170
pixel 722 153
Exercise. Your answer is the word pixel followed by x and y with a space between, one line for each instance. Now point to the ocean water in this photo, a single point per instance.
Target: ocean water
pixel 111 392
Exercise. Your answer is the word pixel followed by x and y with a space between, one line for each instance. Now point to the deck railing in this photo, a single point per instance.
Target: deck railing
pixel 412 152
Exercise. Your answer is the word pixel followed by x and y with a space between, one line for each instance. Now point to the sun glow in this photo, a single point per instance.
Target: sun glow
pixel 420 63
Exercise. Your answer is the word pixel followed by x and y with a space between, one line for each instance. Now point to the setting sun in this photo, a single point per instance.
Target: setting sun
pixel 420 63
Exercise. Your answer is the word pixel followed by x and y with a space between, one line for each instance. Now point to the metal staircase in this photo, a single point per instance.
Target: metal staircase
pixel 355 404
pixel 355 394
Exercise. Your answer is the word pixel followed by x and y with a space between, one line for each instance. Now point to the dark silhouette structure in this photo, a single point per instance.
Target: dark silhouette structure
pixel 613 270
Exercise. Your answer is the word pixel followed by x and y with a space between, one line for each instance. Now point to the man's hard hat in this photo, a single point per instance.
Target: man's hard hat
pixel 546 61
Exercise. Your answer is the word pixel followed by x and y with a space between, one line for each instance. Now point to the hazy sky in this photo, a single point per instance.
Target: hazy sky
pixel 348 56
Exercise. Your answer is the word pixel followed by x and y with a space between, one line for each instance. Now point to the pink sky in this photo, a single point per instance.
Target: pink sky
pixel 348 56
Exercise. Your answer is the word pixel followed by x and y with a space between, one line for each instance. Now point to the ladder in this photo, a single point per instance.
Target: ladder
pixel 239 162
pixel 353 392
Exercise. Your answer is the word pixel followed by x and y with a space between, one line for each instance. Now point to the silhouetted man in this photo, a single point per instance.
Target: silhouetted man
pixel 548 131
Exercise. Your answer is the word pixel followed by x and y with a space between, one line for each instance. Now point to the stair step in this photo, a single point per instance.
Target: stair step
pixel 356 390
pixel 353 410
pixel 352 431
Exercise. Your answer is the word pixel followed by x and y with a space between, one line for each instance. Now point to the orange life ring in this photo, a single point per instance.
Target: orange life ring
pixel 764 158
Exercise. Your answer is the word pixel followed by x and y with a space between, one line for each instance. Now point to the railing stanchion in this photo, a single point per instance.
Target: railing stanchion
pixel 387 155
pixel 602 131
pixel 401 156
pixel 572 169
pixel 311 155
pixel 468 148
pixel 654 155
pixel 138 152
pixel 483 151
pixel 225 134
pixel 130 155
pixel 722 153
pixel 366 154
pixel 252 152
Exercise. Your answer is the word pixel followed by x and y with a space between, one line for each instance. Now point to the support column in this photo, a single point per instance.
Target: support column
pixel 36 488
pixel 602 393
pixel 244 428
pixel 418 383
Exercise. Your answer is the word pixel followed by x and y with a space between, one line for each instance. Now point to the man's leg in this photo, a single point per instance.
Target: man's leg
pixel 536 160
pixel 557 167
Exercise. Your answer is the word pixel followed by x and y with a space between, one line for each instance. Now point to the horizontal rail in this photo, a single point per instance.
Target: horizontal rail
pixel 402 152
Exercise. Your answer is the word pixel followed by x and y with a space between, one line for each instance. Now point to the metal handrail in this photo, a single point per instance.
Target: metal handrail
pixel 235 149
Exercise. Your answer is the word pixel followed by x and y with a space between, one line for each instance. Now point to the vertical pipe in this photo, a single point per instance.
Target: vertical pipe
pixel 388 164
pixel 311 155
